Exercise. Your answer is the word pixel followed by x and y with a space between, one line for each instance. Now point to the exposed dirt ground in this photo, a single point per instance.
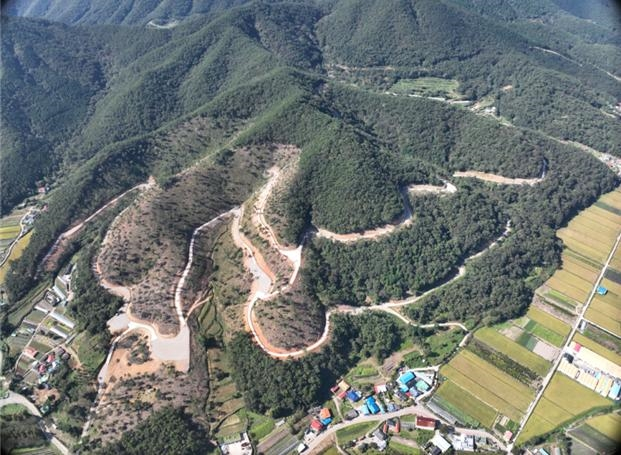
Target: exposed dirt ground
pixel 497 178
pixel 141 388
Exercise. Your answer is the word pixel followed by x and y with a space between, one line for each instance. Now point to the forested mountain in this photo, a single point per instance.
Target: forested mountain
pixel 84 107
pixel 100 96
pixel 127 12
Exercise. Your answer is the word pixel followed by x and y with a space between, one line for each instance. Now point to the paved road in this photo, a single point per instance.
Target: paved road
pixel 548 378
pixel 16 398
pixel 417 409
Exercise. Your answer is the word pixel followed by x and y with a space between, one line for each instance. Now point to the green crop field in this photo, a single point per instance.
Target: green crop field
pixel 466 403
pixel 354 431
pixel 402 448
pixel 567 289
pixel 562 400
pixel 427 86
pixel 513 350
pixel 549 321
pixel 560 300
pixel 548 335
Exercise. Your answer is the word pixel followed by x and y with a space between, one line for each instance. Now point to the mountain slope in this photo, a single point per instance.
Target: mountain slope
pixel 127 12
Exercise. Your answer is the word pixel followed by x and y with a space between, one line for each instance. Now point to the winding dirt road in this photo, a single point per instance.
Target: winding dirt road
pixel 264 278
pixel 494 178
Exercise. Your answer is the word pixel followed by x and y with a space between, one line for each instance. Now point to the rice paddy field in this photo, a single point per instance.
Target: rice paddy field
pixel 16 252
pixel 494 388
pixel 513 350
pixel 471 410
pixel 588 239
pixel 562 401
pixel 608 424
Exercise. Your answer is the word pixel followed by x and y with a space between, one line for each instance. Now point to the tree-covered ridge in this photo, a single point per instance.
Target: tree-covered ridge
pixel 170 430
pixel 411 260
pixel 49 78
pixel 299 384
pixel 127 12
pixel 243 72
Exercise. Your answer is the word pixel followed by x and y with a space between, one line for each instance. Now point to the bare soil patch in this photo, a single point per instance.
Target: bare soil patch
pixel 140 389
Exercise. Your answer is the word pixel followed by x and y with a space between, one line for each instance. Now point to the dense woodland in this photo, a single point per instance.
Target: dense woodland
pixel 299 384
pixel 97 110
pixel 167 431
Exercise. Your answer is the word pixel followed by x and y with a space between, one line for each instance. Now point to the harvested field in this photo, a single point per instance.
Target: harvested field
pixel 546 351
pixel 466 403
pixel 513 350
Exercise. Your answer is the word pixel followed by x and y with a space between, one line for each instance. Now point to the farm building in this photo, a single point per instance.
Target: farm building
pixel 441 443
pixel 601 290
pixel 380 439
pixel 406 380
pixel 59 332
pixel 316 426
pixel 43 306
pixel 325 416
pixel 463 442
pixel 238 446
pixel 372 405
pixel 380 388
pixel 63 320
pixel 422 386
pixel 425 423
pixel 353 396
pixel 592 370
pixel 30 352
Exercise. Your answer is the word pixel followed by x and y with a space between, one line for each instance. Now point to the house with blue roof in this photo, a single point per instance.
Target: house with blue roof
pixel 372 405
pixel 353 395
